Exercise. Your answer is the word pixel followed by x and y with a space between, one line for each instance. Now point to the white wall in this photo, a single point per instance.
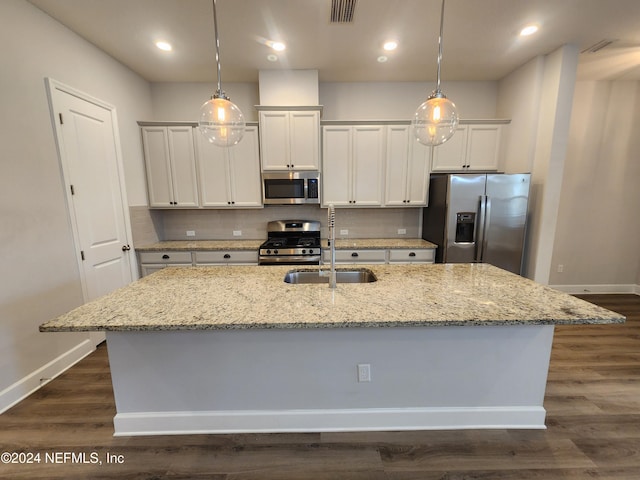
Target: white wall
pixel 39 273
pixel 598 234
pixel 539 97
pixel 399 101
pixel 519 100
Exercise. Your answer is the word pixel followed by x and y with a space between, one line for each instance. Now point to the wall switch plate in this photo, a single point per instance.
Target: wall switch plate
pixel 402 231
pixel 191 233
pixel 344 231
pixel 364 372
pixel 237 233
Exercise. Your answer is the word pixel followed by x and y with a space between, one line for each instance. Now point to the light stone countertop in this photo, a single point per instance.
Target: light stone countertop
pixel 345 244
pixel 216 298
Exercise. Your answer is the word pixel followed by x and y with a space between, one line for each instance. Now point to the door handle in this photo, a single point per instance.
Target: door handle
pixel 126 248
pixel 479 228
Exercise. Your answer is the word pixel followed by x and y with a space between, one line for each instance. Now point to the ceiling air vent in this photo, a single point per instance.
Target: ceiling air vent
pixel 342 11
pixel 596 47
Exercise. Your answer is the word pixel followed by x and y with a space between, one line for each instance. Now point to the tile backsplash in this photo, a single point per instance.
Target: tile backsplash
pixel 150 225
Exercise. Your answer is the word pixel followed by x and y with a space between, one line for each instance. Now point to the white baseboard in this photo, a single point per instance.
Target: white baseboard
pixel 586 289
pixel 32 382
pixel 334 420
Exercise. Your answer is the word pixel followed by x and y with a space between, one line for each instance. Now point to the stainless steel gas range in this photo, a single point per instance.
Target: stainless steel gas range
pixel 291 242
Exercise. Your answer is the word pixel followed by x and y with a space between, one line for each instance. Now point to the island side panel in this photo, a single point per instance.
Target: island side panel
pixel 306 379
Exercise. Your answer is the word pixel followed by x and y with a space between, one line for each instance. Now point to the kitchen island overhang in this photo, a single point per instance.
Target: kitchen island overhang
pixel 235 349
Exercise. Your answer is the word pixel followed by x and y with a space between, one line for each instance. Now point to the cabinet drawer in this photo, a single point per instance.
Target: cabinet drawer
pixel 228 256
pixel 357 256
pixel 165 257
pixel 406 255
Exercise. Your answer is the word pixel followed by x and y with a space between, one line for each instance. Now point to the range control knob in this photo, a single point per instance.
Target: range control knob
pixel 268 252
pixel 304 251
pixel 275 252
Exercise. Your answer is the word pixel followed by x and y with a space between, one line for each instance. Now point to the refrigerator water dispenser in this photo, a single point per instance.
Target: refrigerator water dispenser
pixel 465 226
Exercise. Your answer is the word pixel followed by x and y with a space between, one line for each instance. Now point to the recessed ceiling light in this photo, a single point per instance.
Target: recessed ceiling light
pixel 390 45
pixel 278 46
pixel 165 46
pixel 382 58
pixel 528 30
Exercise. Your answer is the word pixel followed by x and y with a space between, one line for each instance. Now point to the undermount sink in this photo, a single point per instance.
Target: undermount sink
pixel 358 275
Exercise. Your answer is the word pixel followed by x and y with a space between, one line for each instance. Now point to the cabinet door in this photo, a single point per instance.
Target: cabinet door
pixel 483 147
pixel 336 165
pixel 396 165
pixel 213 162
pixel 156 158
pixel 183 166
pixel 418 172
pixel 274 140
pixel 451 155
pixel 244 171
pixel 304 130
pixel 368 157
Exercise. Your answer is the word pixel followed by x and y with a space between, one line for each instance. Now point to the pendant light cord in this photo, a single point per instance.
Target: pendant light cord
pixel 219 93
pixel 439 48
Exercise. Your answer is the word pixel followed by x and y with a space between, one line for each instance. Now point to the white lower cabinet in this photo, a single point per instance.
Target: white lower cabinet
pixel 357 256
pixel 380 256
pixel 153 261
pixel 412 255
pixel 229 257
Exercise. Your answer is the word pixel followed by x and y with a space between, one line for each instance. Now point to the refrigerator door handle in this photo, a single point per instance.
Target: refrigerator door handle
pixel 486 226
pixel 479 233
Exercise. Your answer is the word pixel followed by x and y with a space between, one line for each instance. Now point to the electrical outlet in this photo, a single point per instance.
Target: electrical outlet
pixel 364 372
pixel 237 233
pixel 344 231
pixel 191 233
pixel 402 231
pixel 560 268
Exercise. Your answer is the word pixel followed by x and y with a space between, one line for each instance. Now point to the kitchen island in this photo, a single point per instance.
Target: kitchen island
pixel 236 349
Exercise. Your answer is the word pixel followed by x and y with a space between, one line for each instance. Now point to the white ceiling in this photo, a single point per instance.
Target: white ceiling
pixel 480 37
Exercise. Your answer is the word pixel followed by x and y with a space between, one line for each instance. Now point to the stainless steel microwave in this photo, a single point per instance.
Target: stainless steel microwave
pixel 290 188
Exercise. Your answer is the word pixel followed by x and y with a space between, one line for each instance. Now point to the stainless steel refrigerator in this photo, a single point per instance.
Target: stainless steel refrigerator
pixel 478 218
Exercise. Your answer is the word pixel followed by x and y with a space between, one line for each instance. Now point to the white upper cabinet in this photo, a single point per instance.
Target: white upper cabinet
pixel 472 148
pixel 353 159
pixel 407 169
pixel 230 176
pixel 290 140
pixel 171 166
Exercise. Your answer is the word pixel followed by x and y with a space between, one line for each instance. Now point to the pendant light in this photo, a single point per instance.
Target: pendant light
pixel 221 121
pixel 435 121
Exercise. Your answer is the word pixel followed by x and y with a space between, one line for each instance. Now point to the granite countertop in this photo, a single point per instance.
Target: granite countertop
pixel 212 298
pixel 347 243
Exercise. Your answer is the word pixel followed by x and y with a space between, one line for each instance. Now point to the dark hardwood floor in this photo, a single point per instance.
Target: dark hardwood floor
pixel 593 419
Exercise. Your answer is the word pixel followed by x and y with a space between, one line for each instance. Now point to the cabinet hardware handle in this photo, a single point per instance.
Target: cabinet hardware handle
pixel 354 254
pixel 165 257
pixel 412 254
pixel 126 248
pixel 226 255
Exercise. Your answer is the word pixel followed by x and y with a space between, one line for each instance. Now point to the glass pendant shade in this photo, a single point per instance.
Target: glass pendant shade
pixel 436 120
pixel 221 122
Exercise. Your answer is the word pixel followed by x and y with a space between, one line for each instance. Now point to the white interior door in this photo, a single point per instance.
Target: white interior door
pixel 88 144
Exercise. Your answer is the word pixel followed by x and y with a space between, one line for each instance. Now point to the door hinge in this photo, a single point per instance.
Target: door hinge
pixel 73 192
pixel 82 255
pixel 61 120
